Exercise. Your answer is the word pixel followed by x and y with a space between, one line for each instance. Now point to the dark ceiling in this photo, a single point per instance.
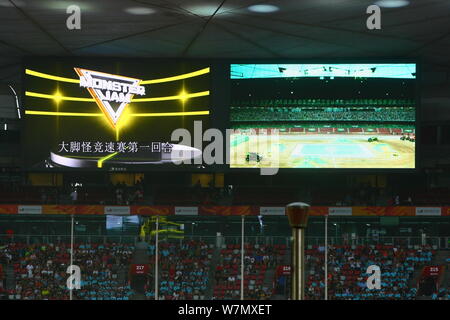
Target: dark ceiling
pixel 222 29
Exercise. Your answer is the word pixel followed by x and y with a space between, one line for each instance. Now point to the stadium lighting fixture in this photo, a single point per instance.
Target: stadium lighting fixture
pixel 392 3
pixel 63 4
pixel 139 11
pixel 207 9
pixel 263 8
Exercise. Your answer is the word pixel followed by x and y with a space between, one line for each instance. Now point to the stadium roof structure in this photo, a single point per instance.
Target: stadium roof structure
pixel 221 29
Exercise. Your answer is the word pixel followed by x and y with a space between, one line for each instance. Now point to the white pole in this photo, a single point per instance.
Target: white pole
pixel 71 254
pixel 156 259
pixel 326 257
pixel 242 258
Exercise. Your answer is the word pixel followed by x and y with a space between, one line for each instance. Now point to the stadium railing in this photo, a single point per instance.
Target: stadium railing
pixel 436 242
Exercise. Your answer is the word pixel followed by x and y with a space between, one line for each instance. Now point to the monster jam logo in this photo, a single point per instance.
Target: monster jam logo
pixel 112 93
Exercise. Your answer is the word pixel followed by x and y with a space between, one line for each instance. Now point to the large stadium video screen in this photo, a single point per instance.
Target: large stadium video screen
pixel 111 114
pixel 323 116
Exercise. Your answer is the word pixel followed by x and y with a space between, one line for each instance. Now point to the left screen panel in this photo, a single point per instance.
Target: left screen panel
pixel 112 114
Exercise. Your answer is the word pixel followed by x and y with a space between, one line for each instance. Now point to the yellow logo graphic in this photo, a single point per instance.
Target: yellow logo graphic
pixel 111 92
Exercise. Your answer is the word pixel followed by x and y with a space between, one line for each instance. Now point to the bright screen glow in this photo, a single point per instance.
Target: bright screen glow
pixel 111 114
pixel 323 115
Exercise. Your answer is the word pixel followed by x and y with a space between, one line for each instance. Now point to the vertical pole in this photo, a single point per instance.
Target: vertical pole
pixel 156 258
pixel 71 254
pixel 242 258
pixel 298 264
pixel 326 257
pixel 297 213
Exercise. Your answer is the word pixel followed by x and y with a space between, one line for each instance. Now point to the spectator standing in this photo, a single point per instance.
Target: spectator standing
pixel 74 196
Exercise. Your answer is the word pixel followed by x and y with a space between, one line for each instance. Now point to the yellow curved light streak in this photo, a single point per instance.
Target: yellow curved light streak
pixel 64 98
pixel 70 114
pixel 56 97
pixel 170 114
pixel 177 97
pixel 50 77
pixel 84 114
pixel 151 81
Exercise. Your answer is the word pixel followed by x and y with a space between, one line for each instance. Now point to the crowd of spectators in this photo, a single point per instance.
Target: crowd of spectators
pixel 322 114
pixel 332 195
pixel 105 268
pixel 185 270
pixel 40 270
pixel 442 294
pixel 113 194
pixel 366 194
pixel 363 194
pixel 257 260
pixel 128 195
pixel 119 193
pixel 195 194
pixel 347 267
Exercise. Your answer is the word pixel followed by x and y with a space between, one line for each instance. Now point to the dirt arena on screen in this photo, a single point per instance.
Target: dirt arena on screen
pixel 322 151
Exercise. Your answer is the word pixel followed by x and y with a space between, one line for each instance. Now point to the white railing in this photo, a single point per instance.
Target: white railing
pixel 436 242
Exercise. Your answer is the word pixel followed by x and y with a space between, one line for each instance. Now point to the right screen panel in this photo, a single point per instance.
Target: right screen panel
pixel 323 115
